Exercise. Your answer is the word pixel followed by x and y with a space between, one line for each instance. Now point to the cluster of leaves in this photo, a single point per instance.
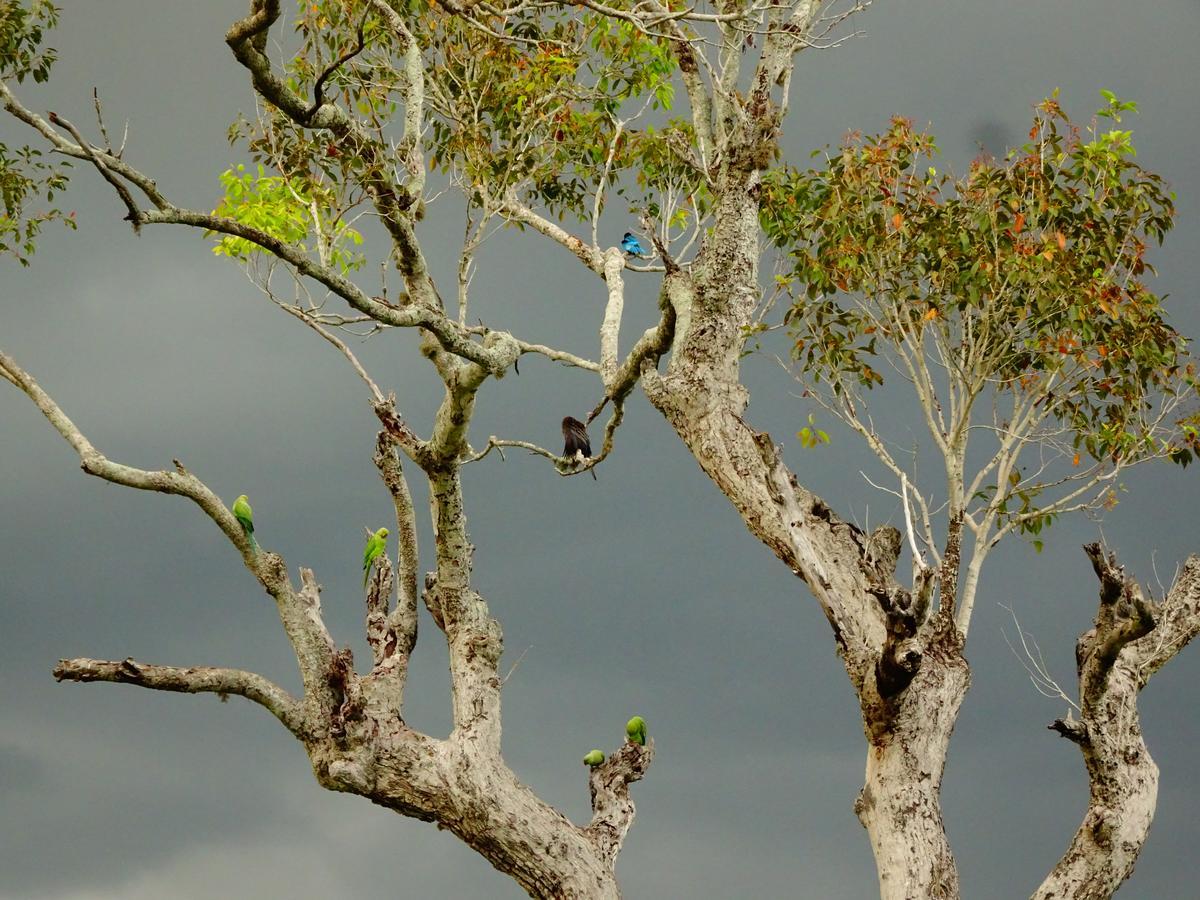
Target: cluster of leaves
pixel 22 27
pixel 25 176
pixel 669 185
pixel 533 103
pixel 321 180
pixel 1023 276
pixel 1016 501
pixel 527 101
pixel 287 209
pixel 811 436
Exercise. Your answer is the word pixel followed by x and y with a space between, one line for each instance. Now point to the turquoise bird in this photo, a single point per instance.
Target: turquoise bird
pixel 376 545
pixel 635 730
pixel 632 246
pixel 245 516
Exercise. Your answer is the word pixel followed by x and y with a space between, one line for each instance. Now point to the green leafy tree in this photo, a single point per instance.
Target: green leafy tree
pixel 1012 300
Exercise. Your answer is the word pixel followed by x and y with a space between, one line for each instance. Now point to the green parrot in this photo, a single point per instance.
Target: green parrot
pixel 594 758
pixel 245 516
pixel 376 544
pixel 635 730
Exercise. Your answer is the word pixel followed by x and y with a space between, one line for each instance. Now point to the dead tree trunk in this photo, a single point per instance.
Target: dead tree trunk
pixel 1132 638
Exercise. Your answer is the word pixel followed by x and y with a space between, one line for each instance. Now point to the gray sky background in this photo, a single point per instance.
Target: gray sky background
pixel 655 599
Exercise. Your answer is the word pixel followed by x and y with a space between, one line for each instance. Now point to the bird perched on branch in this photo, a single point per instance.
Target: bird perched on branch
pixel 635 730
pixel 632 246
pixel 376 544
pixel 245 516
pixel 576 441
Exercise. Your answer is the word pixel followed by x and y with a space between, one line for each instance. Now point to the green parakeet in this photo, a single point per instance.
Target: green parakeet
pixel 245 516
pixel 376 544
pixel 635 730
pixel 594 758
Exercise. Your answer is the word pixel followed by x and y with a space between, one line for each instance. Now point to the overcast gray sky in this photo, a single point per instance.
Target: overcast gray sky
pixel 655 599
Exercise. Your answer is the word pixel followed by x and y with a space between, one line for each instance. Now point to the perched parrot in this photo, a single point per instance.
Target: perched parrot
pixel 594 758
pixel 635 730
pixel 376 544
pixel 245 516
pixel 631 245
pixel 575 440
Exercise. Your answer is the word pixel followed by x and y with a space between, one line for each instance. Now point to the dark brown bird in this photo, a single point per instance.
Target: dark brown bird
pixel 576 440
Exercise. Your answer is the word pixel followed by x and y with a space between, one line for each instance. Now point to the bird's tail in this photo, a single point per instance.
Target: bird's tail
pixel 248 530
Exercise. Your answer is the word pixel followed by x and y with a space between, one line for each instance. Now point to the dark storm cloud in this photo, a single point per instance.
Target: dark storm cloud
pixel 673 611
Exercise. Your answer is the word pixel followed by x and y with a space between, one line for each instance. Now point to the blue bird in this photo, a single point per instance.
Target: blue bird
pixel 631 245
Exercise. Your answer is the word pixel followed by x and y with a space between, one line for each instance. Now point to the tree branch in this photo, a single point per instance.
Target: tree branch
pixel 299 612
pixel 591 257
pixel 426 313
pixel 180 482
pixel 612 807
pixel 1130 640
pixel 93 154
pixel 402 623
pixel 191 680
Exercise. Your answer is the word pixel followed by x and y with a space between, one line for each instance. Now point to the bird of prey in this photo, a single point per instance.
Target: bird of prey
pixel 245 516
pixel 635 730
pixel 376 544
pixel 575 438
pixel 631 245
pixel 594 758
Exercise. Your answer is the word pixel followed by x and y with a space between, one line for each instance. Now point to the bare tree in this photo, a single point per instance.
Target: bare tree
pixel 540 113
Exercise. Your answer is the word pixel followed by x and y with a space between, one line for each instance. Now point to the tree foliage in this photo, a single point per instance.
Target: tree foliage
pixel 537 103
pixel 290 209
pixel 1025 275
pixel 26 177
pixel 1023 279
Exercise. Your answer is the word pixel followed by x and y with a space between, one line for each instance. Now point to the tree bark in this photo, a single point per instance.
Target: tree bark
pixel 1132 638
pixel 352 725
pixel 900 804
pixel 904 661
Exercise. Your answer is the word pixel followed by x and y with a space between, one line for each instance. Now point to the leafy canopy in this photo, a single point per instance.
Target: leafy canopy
pixel 1025 276
pixel 543 102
